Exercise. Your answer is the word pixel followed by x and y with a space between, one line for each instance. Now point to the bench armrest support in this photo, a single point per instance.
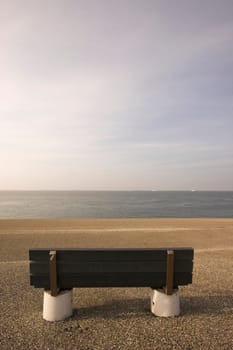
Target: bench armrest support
pixel 170 272
pixel 53 272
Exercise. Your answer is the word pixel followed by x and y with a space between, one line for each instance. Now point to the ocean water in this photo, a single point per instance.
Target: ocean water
pixel 115 204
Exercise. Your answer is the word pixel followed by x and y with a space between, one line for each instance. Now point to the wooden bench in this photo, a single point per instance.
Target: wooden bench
pixel 64 269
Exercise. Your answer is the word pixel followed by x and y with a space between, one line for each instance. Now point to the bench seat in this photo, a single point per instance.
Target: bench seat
pixel 122 267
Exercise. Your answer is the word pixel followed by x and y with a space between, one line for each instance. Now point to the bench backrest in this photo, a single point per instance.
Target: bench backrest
pixel 126 267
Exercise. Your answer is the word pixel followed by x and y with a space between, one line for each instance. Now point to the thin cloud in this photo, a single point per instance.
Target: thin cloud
pixel 90 90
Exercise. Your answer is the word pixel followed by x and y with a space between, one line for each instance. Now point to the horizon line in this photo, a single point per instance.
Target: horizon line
pixel 112 190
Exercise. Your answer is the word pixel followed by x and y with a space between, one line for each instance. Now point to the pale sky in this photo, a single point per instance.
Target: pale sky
pixel 116 95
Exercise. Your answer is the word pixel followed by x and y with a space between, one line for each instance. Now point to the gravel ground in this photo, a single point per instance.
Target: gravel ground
pixel 119 318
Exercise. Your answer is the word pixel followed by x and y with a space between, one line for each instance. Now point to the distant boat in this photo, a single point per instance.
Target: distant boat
pixel 193 190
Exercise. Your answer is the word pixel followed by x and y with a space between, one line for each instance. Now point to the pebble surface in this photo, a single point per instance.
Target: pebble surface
pixel 119 318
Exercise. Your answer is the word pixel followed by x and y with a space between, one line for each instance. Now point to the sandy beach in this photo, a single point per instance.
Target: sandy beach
pixel 119 318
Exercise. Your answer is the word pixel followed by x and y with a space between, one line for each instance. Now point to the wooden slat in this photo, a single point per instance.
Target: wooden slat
pixel 111 266
pixel 111 254
pixel 153 280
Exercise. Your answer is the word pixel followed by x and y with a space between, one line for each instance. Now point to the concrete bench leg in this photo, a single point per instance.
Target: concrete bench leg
pixel 165 305
pixel 57 308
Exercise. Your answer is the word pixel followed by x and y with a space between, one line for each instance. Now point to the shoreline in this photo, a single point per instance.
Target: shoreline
pixel 196 233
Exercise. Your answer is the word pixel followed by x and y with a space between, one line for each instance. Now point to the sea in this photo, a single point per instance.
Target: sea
pixel 115 204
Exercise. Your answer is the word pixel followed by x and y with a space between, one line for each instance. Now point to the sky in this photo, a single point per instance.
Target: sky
pixel 116 95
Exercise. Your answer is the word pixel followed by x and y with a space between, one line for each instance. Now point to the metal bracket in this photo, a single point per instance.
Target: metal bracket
pixel 170 272
pixel 53 272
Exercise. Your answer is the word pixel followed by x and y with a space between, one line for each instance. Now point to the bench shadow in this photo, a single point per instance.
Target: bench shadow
pixel 215 305
pixel 140 307
pixel 123 309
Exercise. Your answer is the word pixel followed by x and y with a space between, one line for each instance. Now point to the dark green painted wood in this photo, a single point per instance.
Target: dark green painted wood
pixel 153 280
pixel 110 267
pixel 110 254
